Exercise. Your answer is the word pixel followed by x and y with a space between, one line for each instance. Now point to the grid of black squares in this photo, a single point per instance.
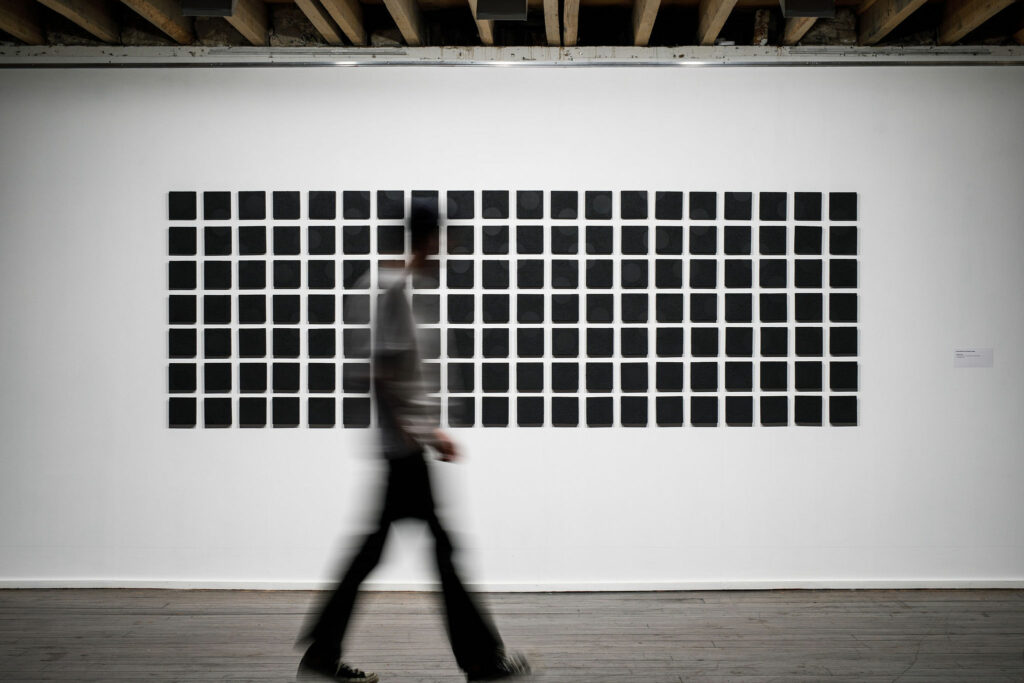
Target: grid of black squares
pixel 560 308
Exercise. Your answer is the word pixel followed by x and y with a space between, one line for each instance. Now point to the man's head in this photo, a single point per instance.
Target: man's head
pixel 424 230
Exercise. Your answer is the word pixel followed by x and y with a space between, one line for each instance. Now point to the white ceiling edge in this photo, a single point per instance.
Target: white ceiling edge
pixel 615 56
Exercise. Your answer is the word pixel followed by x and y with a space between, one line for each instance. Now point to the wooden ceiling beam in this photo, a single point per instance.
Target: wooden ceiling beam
pixel 551 27
pixel 960 17
pixel 644 14
pixel 484 26
pixel 92 15
pixel 882 17
pixel 409 19
pixel 321 21
pixel 166 16
pixel 795 29
pixel 20 18
pixel 570 22
pixel 711 17
pixel 349 17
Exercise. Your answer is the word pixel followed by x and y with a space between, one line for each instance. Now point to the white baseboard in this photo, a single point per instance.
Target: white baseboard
pixel 555 587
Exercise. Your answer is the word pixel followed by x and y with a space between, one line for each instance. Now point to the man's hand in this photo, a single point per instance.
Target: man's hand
pixel 446 447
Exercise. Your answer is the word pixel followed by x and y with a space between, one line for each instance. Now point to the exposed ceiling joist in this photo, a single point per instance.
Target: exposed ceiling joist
pixel 570 22
pixel 321 21
pixel 552 29
pixel 92 15
pixel 408 18
pixel 20 18
pixel 484 26
pixel 644 14
pixel 795 29
pixel 711 17
pixel 250 19
pixel 166 16
pixel 882 17
pixel 349 17
pixel 960 17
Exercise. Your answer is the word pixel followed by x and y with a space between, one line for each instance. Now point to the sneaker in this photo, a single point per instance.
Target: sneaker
pixel 506 666
pixel 316 666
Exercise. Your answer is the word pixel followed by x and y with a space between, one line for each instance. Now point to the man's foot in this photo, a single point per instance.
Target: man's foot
pixel 505 666
pixel 324 666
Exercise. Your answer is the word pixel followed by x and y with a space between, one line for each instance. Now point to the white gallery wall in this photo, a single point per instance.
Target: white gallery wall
pixel 95 489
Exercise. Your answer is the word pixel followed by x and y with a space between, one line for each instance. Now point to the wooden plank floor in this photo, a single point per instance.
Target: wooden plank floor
pixel 798 635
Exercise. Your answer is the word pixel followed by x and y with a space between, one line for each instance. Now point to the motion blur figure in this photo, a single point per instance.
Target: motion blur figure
pixel 408 418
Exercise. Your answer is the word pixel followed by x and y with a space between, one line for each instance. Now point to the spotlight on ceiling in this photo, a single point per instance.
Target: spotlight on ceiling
pixel 207 8
pixel 504 10
pixel 808 8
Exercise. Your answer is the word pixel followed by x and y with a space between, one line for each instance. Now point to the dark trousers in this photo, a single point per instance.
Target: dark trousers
pixel 474 640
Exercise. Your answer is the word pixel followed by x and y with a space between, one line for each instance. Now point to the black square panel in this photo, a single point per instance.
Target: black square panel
pixel 565 342
pixel 285 411
pixel 669 342
pixel 774 375
pixel 181 241
pixel 564 204
pixel 428 277
pixel 181 275
pixel 286 240
pixel 703 376
pixel 669 376
pixel 286 205
pixel 842 341
pixel 634 308
pixel 599 273
pixel 529 239
pixel 390 204
pixel 739 376
pixel 495 342
pixel 460 239
pixel 703 308
pixel 216 206
pixel 773 206
pixel 599 239
pixel 426 308
pixel 599 378
pixel 807 411
pixel 321 411
pixel 320 274
pixel 355 377
pixel 495 308
pixel 252 343
pixel 216 274
pixel 565 377
pixel 669 411
pixel 530 204
pixel 216 342
pixel 842 273
pixel 530 308
pixel 460 308
pixel 252 240
pixel 565 308
pixel 808 341
pixel 287 274
pixel 356 342
pixel 530 411
pixel 217 309
pixel 460 204
pixel 704 411
pixel 633 411
pixel 355 309
pixel 461 343
pixel 807 239
pixel 842 240
pixel 772 273
pixel 529 342
pixel 668 273
pixel 739 341
pixel 461 411
pixel 391 239
pixel 668 206
pixel 703 205
pixel 495 203
pixel 495 411
pixel 668 239
pixel 460 273
pixel 633 377
pixel 285 377
pixel 355 239
pixel 773 308
pixel 842 411
pixel 600 342
pixel 181 206
pixel 217 412
pixel 321 377
pixel 633 342
pixel 842 308
pixel 253 274
pixel 737 240
pixel 252 411
pixel 217 240
pixel 842 206
pixel 356 204
pixel 807 273
pixel 529 377
pixel 703 273
pixel 807 375
pixel 322 343
pixel 460 377
pixel 181 412
pixel 633 204
pixel 565 239
pixel 739 411
pixel 774 341
pixel 772 240
pixel 598 204
pixel 565 411
pixel 634 239
pixel 738 273
pixel 668 308
pixel 599 411
pixel 807 308
pixel 495 239
pixel 738 206
pixel 703 239
pixel 181 343
pixel 425 200
pixel 355 411
pixel 216 378
pixel 774 411
pixel 181 378
pixel 564 274
pixel 842 375
pixel 321 308
pixel 286 309
pixel 807 206
pixel 738 308
pixel 633 273
pixel 494 378
pixel 323 204
pixel 703 341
